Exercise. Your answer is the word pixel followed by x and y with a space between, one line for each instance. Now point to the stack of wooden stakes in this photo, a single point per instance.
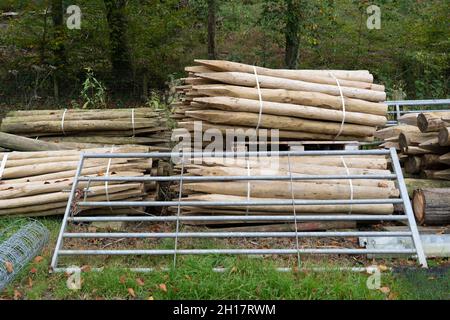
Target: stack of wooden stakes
pixel 38 183
pixel 88 128
pixel 302 104
pixel 424 143
pixel 269 190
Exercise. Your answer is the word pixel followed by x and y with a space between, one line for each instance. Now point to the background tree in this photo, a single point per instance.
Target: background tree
pixel 145 44
pixel 59 54
pixel 212 29
pixel 294 18
pixel 120 53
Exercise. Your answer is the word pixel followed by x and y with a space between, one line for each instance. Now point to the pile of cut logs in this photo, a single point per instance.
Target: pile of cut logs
pixel 84 128
pixel 302 104
pixel 269 190
pixel 424 143
pixel 38 183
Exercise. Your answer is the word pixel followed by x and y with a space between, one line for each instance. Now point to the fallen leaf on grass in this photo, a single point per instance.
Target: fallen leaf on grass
pixel 131 292
pixel 33 270
pixel 392 296
pixel 30 282
pixel 9 267
pixel 85 268
pixel 150 298
pixel 38 259
pixel 382 267
pixel 385 290
pixel 163 287
pixel 122 279
pixel 140 282
pixel 17 294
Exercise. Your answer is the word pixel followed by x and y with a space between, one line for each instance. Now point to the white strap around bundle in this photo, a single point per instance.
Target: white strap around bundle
pixel 3 165
pixel 350 184
pixel 107 175
pixel 260 99
pixel 132 121
pixel 343 106
pixel 62 121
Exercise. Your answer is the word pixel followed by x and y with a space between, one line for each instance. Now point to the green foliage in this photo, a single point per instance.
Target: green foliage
pixel 93 92
pixel 410 53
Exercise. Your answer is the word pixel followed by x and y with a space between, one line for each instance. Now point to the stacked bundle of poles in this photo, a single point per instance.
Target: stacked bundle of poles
pixel 302 104
pixel 87 128
pixel 39 183
pixel 285 189
pixel 424 143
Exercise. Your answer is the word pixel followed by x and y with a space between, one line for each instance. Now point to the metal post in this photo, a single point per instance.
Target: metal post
pixel 408 209
pixel 397 109
pixel 59 242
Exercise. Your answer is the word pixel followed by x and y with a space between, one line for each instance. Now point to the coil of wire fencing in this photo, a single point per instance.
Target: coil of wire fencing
pixel 18 249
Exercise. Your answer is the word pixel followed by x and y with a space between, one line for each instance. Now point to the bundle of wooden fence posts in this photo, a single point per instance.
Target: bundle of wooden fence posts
pixel 269 190
pixel 424 143
pixel 302 104
pixel 84 128
pixel 38 183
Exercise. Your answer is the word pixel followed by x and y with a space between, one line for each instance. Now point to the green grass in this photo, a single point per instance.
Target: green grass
pixel 244 278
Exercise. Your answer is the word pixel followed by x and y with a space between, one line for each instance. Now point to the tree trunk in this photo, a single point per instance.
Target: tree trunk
pixel 212 29
pixel 292 33
pixel 59 51
pixel 413 184
pixel 120 54
pixel 431 206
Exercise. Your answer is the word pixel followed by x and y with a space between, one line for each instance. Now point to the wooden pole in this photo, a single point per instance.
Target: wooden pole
pixel 293 110
pixel 249 80
pixel 315 99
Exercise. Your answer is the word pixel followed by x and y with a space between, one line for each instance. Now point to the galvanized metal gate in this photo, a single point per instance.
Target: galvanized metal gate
pixel 396 108
pixel 396 175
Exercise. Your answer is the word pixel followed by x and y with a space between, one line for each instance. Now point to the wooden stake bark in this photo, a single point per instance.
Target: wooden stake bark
pixel 293 110
pixel 314 99
pixel 245 79
pixel 280 122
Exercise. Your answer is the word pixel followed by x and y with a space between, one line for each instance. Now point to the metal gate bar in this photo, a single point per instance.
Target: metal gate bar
pixel 398 110
pixel 396 175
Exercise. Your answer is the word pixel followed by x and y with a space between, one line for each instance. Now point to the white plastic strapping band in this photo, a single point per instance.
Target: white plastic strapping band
pixel 350 184
pixel 106 175
pixel 343 106
pixel 132 121
pixel 62 121
pixel 260 99
pixel 3 165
